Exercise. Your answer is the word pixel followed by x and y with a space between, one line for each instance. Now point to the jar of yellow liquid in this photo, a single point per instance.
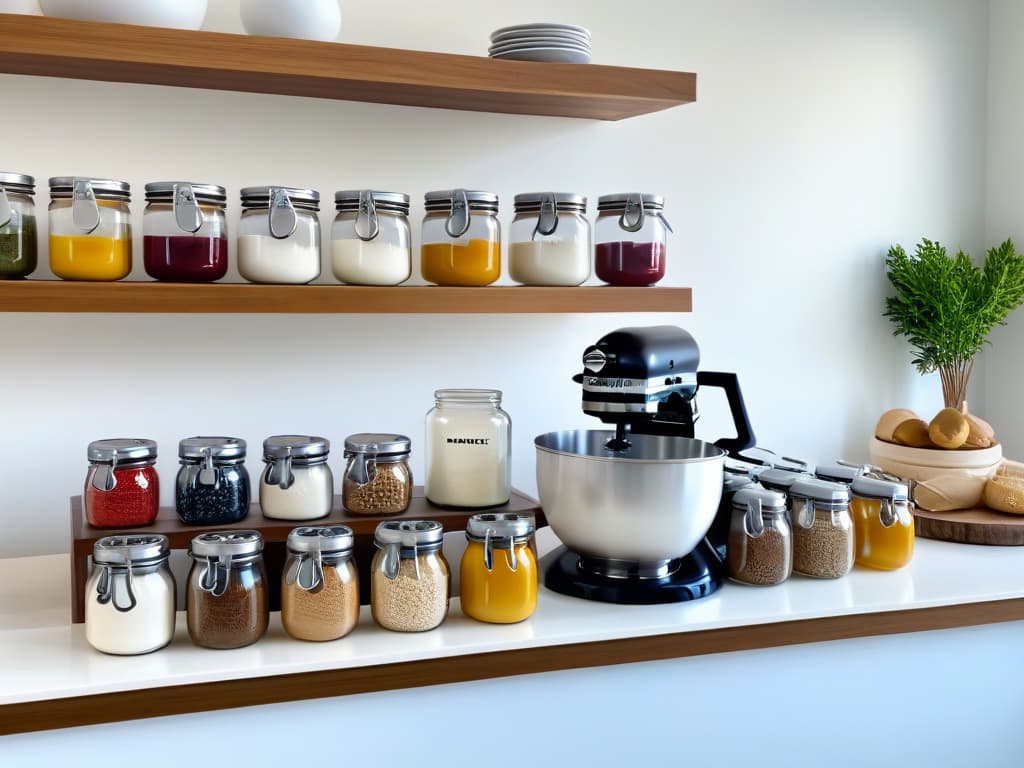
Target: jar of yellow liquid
pixel 883 523
pixel 499 568
pixel 461 242
pixel 90 228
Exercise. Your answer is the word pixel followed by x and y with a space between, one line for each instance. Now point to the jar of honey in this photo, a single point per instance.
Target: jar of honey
pixel 185 232
pixel 18 240
pixel 90 229
pixel 461 242
pixel 883 523
pixel 498 576
pixel 630 234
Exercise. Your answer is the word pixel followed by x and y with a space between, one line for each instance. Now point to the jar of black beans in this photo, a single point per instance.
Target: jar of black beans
pixel 213 484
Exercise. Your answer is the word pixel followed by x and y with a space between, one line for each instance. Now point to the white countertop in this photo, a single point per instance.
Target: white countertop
pixel 43 657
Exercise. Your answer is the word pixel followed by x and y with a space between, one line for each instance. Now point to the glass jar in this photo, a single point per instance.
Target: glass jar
pixel 370 241
pixel 550 240
pixel 227 590
pixel 213 484
pixel 461 242
pixel 122 489
pixel 18 232
pixel 297 484
pixel 279 235
pixel 130 596
pixel 319 584
pixel 378 480
pixel 718 533
pixel 883 523
pixel 90 229
pixel 409 577
pixel 469 445
pixel 822 528
pixel 630 233
pixel 185 232
pixel 760 549
pixel 498 576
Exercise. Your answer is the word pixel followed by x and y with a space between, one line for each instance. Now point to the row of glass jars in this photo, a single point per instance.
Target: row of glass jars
pixel 790 522
pixel 131 594
pixel 185 235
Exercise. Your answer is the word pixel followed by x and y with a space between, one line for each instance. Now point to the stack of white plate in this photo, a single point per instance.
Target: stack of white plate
pixel 542 42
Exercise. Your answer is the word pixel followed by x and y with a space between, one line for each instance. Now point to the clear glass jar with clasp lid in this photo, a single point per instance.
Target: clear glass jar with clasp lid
pixel 122 488
pixel 185 232
pixel 883 523
pixel 409 578
pixel 550 239
pixel 498 575
pixel 130 596
pixel 760 547
pixel 297 483
pixel 90 228
pixel 279 235
pixel 213 483
pixel 19 245
pixel 469 446
pixel 378 480
pixel 630 236
pixel 461 241
pixel 227 599
pixel 320 585
pixel 370 240
pixel 822 528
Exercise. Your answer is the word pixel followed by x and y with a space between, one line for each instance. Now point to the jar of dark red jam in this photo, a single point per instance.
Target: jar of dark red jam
pixel 185 232
pixel 630 237
pixel 121 489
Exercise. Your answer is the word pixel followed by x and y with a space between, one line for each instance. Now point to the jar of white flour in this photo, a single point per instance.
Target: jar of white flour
pixel 279 235
pixel 297 484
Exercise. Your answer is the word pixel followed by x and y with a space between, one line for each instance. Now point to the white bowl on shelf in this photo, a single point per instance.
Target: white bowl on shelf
pixel 299 19
pixel 176 14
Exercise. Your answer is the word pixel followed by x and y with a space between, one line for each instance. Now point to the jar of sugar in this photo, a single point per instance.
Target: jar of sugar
pixel 550 239
pixel 370 241
pixel 130 596
pixel 279 235
pixel 297 483
pixel 320 585
pixel 409 577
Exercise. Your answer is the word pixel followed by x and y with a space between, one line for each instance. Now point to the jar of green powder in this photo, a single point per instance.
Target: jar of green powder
pixel 18 256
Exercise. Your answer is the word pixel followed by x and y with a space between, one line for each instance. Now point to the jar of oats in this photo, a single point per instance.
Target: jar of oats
pixel 319 585
pixel 409 578
pixel 760 547
pixel 378 480
pixel 822 528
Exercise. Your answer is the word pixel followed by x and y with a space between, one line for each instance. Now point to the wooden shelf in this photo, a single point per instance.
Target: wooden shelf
pixel 150 297
pixel 35 45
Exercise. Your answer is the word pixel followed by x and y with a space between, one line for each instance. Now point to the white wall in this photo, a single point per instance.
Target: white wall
pixel 823 133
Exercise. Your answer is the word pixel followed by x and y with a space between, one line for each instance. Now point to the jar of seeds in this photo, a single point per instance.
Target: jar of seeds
pixel 319 585
pixel 822 529
pixel 760 548
pixel 378 480
pixel 213 484
pixel 409 578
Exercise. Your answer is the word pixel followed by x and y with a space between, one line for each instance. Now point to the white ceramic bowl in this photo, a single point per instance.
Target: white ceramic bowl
pixel 19 6
pixel 300 19
pixel 178 14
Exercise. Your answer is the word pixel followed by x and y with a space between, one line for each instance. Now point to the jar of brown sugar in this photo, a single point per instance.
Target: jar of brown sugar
pixel 378 480
pixel 760 547
pixel 227 589
pixel 822 529
pixel 319 585
pixel 409 585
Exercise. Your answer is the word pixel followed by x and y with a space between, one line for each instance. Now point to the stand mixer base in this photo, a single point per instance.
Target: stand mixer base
pixel 698 575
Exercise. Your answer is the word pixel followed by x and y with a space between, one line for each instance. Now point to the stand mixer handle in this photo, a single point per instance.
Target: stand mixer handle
pixel 730 383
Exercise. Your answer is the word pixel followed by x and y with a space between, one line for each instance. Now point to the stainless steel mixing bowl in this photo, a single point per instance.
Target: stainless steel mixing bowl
pixel 653 501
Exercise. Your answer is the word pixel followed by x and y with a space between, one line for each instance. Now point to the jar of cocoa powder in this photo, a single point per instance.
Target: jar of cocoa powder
pixel 760 547
pixel 320 585
pixel 227 589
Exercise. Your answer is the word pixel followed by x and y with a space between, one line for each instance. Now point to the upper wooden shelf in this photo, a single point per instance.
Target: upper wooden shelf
pixel 37 45
pixel 174 298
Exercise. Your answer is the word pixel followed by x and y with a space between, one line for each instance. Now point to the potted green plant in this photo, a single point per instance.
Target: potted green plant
pixel 946 307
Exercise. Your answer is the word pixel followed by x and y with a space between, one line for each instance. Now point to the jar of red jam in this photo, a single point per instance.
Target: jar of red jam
pixel 630 237
pixel 121 489
pixel 185 232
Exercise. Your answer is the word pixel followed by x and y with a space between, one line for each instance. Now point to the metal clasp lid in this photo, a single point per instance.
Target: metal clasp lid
pixel 363 467
pixel 753 519
pixel 279 472
pixel 106 589
pixel 187 213
pixel 208 474
pixel 103 478
pixel 367 226
pixel 211 579
pixel 634 211
pixel 458 220
pixel 310 563
pixel 489 539
pixel 803 511
pixel 547 219
pixel 282 217
pixel 6 211
pixel 85 211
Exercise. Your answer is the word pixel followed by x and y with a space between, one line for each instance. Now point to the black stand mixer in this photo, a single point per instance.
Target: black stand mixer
pixel 644 381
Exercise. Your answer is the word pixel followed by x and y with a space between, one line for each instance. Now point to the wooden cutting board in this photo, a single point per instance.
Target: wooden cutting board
pixel 971 526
